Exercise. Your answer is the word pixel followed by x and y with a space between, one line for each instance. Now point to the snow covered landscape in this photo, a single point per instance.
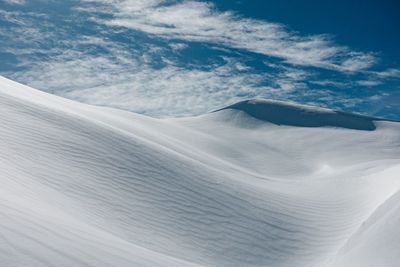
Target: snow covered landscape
pixel 258 183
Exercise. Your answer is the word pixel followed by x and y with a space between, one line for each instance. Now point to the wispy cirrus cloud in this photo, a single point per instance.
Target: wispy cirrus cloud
pixel 132 84
pixel 14 2
pixel 389 73
pixel 201 22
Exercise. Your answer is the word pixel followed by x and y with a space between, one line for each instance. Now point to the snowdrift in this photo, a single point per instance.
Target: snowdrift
pixel 259 183
pixel 282 113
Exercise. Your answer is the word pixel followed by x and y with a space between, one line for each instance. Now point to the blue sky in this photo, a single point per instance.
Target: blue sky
pixel 178 58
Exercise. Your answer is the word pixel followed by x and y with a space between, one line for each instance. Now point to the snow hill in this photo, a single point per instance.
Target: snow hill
pixel 259 183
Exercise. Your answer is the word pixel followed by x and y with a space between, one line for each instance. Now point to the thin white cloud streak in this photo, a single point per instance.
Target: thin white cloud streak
pixel 178 46
pixel 199 21
pixel 368 83
pixel 389 73
pixel 15 2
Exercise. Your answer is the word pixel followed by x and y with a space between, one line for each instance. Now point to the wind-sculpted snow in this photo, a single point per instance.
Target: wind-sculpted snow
pixel 376 243
pixel 282 113
pixel 91 186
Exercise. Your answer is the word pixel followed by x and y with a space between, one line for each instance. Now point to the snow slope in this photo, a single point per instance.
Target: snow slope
pixel 376 243
pixel 259 183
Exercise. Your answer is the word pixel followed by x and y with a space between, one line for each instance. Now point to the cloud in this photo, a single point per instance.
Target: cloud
pixel 137 86
pixel 368 83
pixel 389 73
pixel 15 2
pixel 357 61
pixel 119 80
pixel 178 46
pixel 200 22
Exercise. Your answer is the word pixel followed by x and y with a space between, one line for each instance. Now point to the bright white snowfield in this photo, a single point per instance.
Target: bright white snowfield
pixel 259 183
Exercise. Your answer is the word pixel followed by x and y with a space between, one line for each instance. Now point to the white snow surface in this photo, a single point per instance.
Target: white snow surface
pixel 259 183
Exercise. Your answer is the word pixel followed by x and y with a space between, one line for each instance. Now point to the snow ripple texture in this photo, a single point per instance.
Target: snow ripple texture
pixel 259 183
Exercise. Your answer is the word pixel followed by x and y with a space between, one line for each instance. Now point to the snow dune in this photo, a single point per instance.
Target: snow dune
pixel 259 183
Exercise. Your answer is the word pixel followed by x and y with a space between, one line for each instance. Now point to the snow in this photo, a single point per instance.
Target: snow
pixel 376 243
pixel 259 183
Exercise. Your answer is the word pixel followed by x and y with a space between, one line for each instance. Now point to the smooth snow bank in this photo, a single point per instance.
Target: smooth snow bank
pixel 91 186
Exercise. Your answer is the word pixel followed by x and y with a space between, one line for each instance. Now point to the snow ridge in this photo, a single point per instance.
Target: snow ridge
pixel 283 113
